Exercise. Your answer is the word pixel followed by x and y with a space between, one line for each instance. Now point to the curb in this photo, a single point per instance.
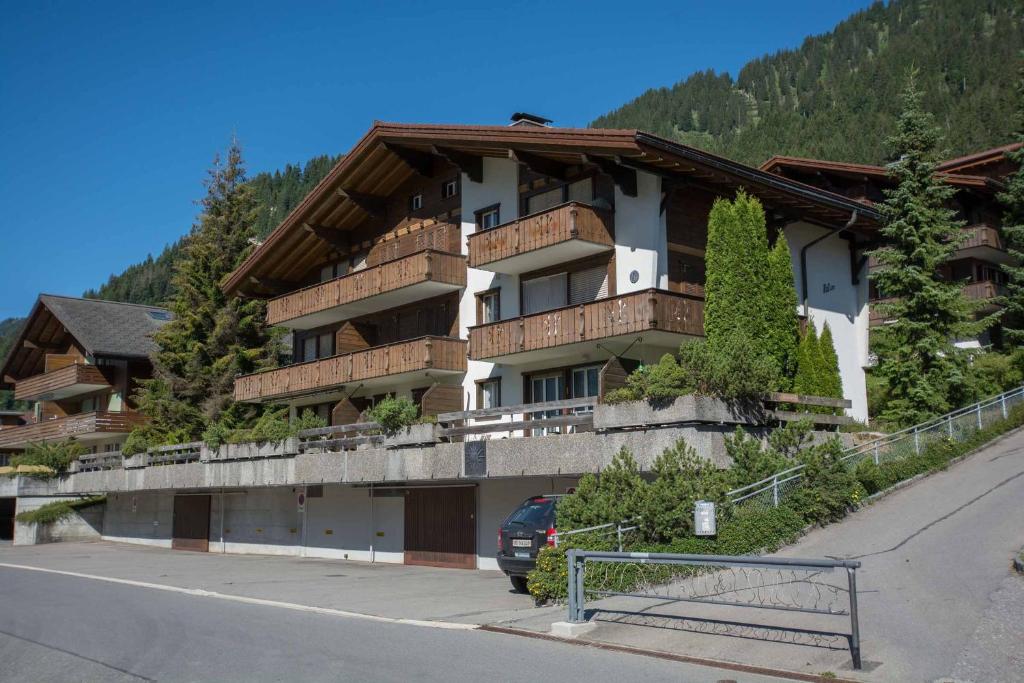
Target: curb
pixel 671 656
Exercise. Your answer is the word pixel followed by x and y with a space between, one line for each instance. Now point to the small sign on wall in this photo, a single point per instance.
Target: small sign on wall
pixel 302 501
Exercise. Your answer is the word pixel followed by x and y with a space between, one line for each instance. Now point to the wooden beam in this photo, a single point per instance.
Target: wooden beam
pixel 539 164
pixel 371 204
pixel 331 236
pixel 470 164
pixel 624 178
pixel 43 346
pixel 420 162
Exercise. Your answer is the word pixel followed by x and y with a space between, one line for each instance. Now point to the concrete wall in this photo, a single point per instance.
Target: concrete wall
pixel 81 525
pixel 641 243
pixel 833 298
pixel 145 518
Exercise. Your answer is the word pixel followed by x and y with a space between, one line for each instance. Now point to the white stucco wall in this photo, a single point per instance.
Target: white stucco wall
pixel 833 298
pixel 641 244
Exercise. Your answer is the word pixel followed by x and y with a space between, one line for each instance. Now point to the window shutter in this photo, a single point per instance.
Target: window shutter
pixel 588 285
pixel 543 293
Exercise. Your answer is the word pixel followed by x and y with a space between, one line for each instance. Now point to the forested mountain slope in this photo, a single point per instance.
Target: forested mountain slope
pixel 835 97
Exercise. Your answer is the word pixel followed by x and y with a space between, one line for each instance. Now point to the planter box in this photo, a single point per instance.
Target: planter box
pixel 136 461
pixel 685 409
pixel 251 451
pixel 413 435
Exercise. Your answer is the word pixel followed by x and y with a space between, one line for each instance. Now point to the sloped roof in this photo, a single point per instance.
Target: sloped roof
pixel 779 162
pixel 983 157
pixel 380 162
pixel 100 328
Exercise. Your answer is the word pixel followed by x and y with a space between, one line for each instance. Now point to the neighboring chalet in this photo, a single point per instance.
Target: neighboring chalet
pixel 978 178
pixel 478 266
pixel 77 362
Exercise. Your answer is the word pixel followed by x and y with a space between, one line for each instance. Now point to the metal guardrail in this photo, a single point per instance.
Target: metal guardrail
pixel 782 584
pixel 956 425
pixel 601 528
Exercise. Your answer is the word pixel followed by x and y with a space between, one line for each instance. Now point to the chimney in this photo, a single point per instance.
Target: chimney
pixel 521 118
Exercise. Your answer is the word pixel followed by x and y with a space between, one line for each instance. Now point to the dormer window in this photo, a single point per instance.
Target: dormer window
pixel 450 189
pixel 416 202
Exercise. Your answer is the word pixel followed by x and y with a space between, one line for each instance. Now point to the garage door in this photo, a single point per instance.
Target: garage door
pixel 7 506
pixel 440 527
pixel 191 528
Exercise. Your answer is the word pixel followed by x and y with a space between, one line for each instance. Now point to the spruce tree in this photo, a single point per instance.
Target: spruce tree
pixel 919 233
pixel 780 305
pixel 1013 230
pixel 213 337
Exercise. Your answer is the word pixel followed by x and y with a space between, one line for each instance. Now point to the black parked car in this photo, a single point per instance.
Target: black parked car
pixel 529 528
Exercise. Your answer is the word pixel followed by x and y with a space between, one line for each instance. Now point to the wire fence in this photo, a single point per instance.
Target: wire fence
pixel 956 426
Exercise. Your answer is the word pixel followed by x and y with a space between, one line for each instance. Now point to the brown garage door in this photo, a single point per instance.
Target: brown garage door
pixel 191 528
pixel 440 527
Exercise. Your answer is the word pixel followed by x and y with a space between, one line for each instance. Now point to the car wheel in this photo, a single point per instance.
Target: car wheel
pixel 519 584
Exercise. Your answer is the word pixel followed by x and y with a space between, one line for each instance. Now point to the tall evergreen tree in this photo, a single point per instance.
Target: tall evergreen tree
pixel 830 382
pixel 919 233
pixel 213 337
pixel 1013 230
pixel 808 366
pixel 781 309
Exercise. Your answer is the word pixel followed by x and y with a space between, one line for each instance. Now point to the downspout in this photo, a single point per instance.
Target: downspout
pixel 803 259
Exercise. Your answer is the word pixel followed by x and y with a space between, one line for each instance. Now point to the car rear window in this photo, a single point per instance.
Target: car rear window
pixel 534 513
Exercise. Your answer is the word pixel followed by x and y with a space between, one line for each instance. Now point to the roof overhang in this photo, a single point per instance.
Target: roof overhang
pixel 389 154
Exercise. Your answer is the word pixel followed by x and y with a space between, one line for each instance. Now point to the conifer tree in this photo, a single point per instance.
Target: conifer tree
pixel 1013 230
pixel 808 370
pixel 919 233
pixel 213 337
pixel 781 309
pixel 830 382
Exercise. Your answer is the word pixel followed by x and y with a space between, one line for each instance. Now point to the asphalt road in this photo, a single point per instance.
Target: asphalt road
pixel 61 628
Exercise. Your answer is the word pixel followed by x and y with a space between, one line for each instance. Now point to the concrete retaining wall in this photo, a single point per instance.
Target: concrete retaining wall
pixel 85 524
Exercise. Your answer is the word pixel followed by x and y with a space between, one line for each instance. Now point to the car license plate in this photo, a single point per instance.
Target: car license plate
pixel 522 543
pixel 522 554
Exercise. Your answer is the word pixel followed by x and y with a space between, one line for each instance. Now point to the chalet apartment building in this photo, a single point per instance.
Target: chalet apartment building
pixel 76 361
pixel 470 267
pixel 978 178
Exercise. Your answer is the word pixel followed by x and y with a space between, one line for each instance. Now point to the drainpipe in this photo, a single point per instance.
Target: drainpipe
pixel 803 259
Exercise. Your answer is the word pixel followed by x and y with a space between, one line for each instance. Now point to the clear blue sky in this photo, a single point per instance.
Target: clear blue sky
pixel 111 112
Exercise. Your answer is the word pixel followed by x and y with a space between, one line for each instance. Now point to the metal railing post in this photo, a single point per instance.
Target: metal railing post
pixel 1002 400
pixel 978 409
pixel 876 452
pixel 618 533
pixel 851 574
pixel 949 424
pixel 571 589
pixel 775 491
pixel 917 442
pixel 580 595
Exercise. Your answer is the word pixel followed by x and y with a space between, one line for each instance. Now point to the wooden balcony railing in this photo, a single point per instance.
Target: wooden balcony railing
pixel 637 312
pixel 418 268
pixel 70 380
pixel 976 291
pixel 424 353
pixel 564 223
pixel 79 426
pixel 981 235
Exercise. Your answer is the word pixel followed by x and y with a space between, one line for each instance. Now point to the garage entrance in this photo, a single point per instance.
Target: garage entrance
pixel 7 506
pixel 440 527
pixel 191 527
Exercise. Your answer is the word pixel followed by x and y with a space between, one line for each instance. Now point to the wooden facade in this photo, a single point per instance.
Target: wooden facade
pixel 62 378
pixel 78 426
pixel 442 354
pixel 614 316
pixel 558 225
pixel 417 268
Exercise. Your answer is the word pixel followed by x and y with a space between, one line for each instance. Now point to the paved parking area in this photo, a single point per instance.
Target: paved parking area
pixel 387 590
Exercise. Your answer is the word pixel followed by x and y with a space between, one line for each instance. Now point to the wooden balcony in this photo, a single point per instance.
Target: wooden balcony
pixel 659 319
pixel 563 233
pixel 405 280
pixel 84 427
pixel 975 291
pixel 65 382
pixel 981 241
pixel 371 367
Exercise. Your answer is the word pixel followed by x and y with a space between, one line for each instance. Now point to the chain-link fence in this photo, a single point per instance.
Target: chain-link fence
pixel 956 427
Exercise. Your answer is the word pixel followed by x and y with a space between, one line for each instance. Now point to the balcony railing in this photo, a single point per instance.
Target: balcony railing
pixel 68 381
pixel 559 234
pixel 981 235
pixel 438 354
pixel 975 291
pixel 432 273
pixel 646 311
pixel 79 426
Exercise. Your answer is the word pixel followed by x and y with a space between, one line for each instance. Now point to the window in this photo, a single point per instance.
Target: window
pixel 309 349
pixel 588 285
pixel 327 272
pixel 488 393
pixel 544 388
pixel 325 345
pixel 488 308
pixel 488 217
pixel 416 202
pixel 544 293
pixel 449 189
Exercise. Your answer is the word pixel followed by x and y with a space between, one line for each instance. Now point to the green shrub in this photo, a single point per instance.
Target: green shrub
pixel 56 455
pixel 217 434
pixel 394 414
pixel 307 420
pixel 57 510
pixel 615 495
pixel 137 442
pixel 681 478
